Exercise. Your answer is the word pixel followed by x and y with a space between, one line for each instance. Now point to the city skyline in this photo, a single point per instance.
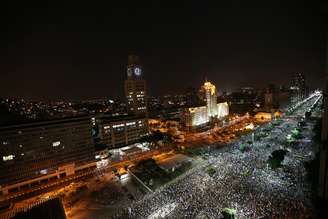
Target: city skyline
pixel 56 52
pixel 157 110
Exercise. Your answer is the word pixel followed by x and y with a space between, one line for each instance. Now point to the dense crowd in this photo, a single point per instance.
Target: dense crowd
pixel 242 181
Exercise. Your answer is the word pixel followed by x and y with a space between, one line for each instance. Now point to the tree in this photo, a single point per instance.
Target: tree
pixel 242 148
pixel 276 158
pixel 211 171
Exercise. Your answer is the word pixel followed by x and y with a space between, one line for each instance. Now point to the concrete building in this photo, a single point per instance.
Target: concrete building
pixel 119 131
pixel 298 87
pixel 241 102
pixel 195 116
pixel 135 87
pixel 271 95
pixel 223 109
pixel 200 116
pixel 37 152
pixel 210 98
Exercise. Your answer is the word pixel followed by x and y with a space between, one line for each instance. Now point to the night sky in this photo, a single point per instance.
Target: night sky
pixel 79 50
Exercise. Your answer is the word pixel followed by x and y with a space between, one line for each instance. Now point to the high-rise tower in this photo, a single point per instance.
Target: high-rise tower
pixel 210 93
pixel 135 87
pixel 298 87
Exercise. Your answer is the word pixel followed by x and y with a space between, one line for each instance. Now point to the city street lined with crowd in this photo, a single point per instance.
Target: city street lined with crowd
pixel 242 180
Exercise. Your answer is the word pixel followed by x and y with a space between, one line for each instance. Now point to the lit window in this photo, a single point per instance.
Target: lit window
pixel 119 125
pixel 5 142
pixel 56 143
pixel 9 157
pixel 130 123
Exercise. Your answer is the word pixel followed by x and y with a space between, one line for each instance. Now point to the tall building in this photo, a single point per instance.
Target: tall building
pixel 271 95
pixel 35 153
pixel 135 87
pixel 298 87
pixel 210 95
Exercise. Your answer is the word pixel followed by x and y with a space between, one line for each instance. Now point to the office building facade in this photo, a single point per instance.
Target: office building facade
pixel 223 109
pixel 298 87
pixel 36 152
pixel 194 117
pixel 117 132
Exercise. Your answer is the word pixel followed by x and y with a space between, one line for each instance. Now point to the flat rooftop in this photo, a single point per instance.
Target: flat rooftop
pixel 46 122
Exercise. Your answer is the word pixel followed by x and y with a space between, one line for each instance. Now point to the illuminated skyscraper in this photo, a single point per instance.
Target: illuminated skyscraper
pixel 135 87
pixel 298 87
pixel 210 95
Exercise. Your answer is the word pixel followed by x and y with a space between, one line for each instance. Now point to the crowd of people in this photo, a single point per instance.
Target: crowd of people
pixel 242 181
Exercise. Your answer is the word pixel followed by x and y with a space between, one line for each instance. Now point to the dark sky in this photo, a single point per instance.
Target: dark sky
pixel 77 50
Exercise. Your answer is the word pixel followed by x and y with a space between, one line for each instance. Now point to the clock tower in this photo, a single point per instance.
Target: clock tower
pixel 134 69
pixel 135 87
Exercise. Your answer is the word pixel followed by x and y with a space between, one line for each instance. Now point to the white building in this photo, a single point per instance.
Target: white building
pixel 210 97
pixel 223 109
pixel 195 116
pixel 200 116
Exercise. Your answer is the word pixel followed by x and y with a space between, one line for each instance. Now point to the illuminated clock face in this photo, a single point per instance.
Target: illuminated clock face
pixel 137 71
